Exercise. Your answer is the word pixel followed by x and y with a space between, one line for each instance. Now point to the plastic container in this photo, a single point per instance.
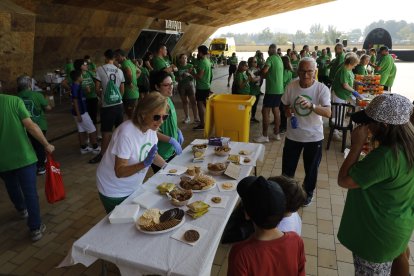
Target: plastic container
pixel 230 115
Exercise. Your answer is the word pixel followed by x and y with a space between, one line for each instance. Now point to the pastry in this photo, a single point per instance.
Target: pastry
pixel 234 159
pixel 197 170
pixel 246 160
pixel 164 188
pixel 216 166
pixel 172 171
pixel 227 185
pixel 169 215
pixel 191 235
pixel 216 199
pixel 244 152
pixel 190 171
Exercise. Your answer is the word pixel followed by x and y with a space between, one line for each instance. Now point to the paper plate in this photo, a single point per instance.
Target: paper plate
pixel 163 231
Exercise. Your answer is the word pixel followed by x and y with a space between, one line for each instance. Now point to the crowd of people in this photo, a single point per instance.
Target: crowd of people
pixel 139 128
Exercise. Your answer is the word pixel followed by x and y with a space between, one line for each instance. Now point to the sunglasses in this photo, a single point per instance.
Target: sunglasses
pixel 158 117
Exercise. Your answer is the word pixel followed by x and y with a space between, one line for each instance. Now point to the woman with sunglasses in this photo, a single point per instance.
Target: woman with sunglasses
pixel 132 149
pixel 169 135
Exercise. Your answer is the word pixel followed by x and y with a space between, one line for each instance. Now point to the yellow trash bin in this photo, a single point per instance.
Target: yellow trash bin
pixel 230 115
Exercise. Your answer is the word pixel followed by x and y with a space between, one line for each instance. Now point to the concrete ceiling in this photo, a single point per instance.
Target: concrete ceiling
pixel 202 12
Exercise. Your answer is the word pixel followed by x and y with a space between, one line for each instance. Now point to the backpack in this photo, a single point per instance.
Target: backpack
pixel 112 95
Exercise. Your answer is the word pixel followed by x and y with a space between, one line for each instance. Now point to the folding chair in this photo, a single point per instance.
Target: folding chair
pixel 338 121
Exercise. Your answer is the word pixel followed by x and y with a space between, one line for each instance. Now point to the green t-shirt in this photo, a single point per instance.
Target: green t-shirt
pixel 274 76
pixel 69 67
pixel 241 77
pixel 323 69
pixel 378 218
pixel 15 147
pixel 205 81
pixel 287 78
pixel 233 60
pixel 335 64
pixel 295 66
pixel 144 73
pixel 360 70
pixel 181 75
pixel 92 67
pixel 169 128
pixel 88 81
pixel 35 103
pixel 130 92
pixel 373 59
pixel 254 86
pixel 343 76
pixel 160 63
pixel 386 65
pixel 260 62
pixel 391 78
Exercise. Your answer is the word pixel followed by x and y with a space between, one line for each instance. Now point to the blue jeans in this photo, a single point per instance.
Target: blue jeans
pixel 22 190
pixel 312 154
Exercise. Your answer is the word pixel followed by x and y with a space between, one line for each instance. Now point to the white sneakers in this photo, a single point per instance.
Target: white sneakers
pixel 261 139
pixel 89 149
pixel 187 120
pixel 277 137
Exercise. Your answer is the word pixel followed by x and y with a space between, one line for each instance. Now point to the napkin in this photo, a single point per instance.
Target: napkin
pixel 124 213
pixel 179 234
pixel 222 204
pixel 147 199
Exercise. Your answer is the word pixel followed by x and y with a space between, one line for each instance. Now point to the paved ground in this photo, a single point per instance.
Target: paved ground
pixel 69 219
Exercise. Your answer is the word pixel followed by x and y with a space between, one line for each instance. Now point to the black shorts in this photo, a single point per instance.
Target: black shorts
pixel 111 116
pixel 92 107
pixel 202 95
pixel 272 100
pixel 232 69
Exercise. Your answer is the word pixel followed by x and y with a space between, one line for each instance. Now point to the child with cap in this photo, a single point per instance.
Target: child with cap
pixel 295 198
pixel 269 251
pixel 378 217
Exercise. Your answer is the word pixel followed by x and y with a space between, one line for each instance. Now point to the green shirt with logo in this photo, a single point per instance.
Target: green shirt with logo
pixel 233 60
pixel 287 78
pixel 343 76
pixel 378 218
pixel 88 82
pixel 144 73
pixel 335 64
pixel 386 63
pixel 69 67
pixel 274 76
pixel 169 128
pixel 360 70
pixel 205 82
pixel 35 103
pixel 130 90
pixel 15 147
pixel 322 62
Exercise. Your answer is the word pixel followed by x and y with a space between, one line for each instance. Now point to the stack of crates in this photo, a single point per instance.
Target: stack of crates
pixel 371 84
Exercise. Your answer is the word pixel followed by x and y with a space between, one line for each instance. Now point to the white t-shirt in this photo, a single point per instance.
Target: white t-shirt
pixel 127 142
pixel 310 125
pixel 291 223
pixel 106 71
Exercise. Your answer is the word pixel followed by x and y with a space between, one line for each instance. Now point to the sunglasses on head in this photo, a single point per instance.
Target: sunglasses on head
pixel 158 117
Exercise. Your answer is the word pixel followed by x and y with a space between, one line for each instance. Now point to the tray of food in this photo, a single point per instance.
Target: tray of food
pixel 153 221
pixel 199 183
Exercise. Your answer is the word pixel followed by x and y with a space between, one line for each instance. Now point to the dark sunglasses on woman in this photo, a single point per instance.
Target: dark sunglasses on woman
pixel 158 117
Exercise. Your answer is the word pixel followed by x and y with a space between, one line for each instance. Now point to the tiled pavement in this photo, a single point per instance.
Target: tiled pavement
pixel 69 219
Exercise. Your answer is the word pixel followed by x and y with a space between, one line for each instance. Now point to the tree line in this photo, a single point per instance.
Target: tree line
pixel 400 31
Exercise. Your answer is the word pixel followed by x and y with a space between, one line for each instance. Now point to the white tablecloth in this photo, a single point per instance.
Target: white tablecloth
pixel 137 253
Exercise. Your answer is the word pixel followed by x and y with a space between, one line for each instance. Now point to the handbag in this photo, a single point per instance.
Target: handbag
pixel 54 188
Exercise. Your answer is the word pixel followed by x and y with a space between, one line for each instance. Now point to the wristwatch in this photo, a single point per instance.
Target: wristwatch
pixel 313 107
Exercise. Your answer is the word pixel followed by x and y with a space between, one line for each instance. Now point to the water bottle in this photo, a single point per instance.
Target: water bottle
pixel 294 121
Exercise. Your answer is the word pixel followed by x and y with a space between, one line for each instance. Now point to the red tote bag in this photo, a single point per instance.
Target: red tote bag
pixel 54 189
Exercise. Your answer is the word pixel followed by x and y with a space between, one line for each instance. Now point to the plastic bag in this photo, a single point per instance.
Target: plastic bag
pixel 54 188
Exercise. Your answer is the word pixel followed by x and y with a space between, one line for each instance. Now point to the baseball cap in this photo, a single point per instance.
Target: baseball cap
pixel 393 109
pixel 263 200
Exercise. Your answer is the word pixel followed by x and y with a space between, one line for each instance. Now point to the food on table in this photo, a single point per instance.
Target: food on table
pixel 190 171
pixel 216 166
pixel 191 235
pixel 198 154
pixel 246 160
pixel 199 182
pixel 227 185
pixel 197 170
pixel 221 151
pixel 216 199
pixel 164 188
pixel 234 158
pixel 244 152
pixel 197 209
pixel 180 197
pixel 172 171
pixel 199 147
pixel 153 220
